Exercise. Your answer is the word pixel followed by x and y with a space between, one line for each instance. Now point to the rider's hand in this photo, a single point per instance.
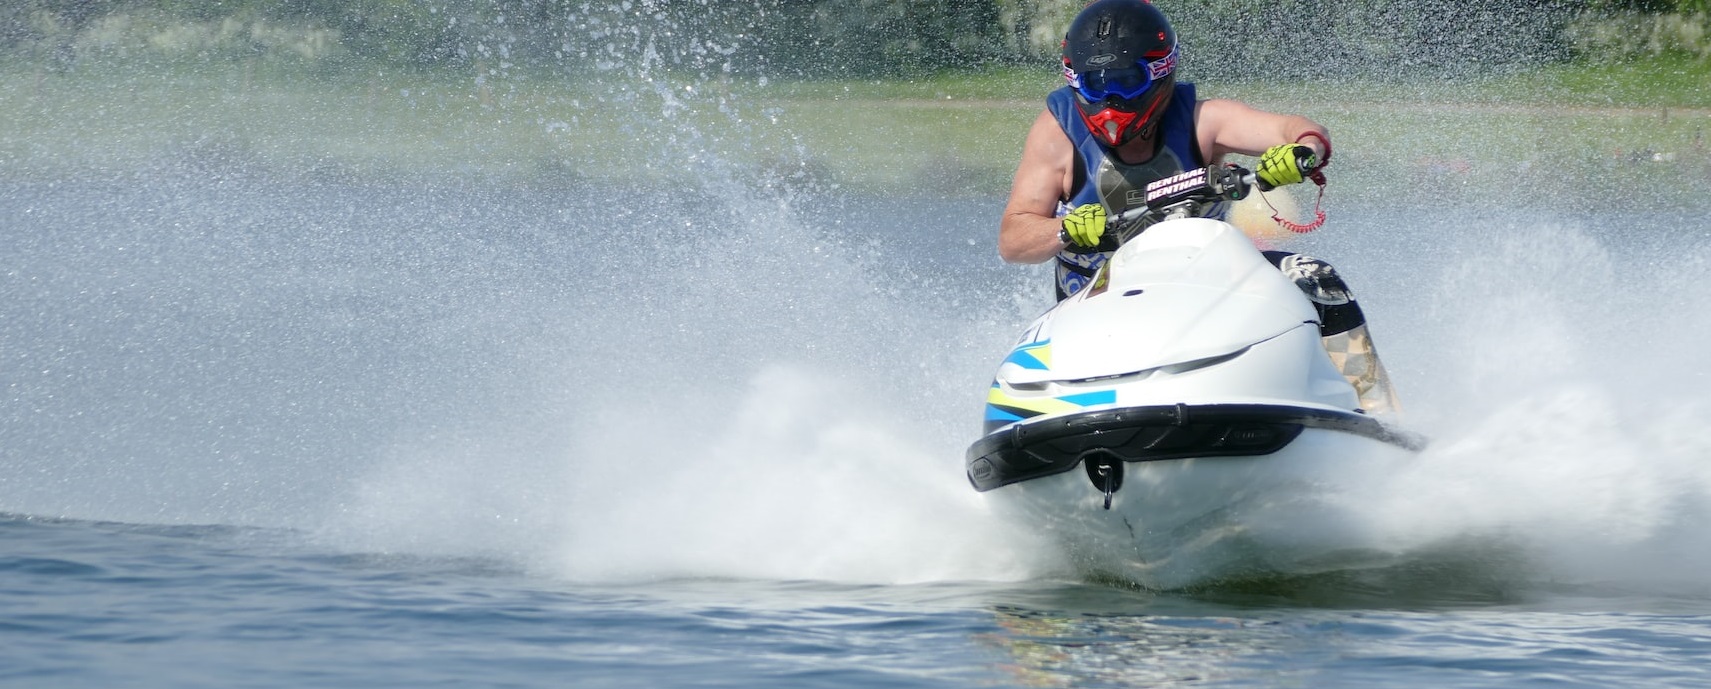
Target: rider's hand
pixel 1085 225
pixel 1286 164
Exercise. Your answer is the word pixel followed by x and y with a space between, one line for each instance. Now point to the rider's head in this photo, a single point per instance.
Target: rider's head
pixel 1120 59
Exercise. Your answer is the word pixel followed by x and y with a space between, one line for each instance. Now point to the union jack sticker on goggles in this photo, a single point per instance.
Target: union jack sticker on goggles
pixel 1128 82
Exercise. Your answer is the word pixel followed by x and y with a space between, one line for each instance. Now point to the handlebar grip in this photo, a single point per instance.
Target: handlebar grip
pixel 1108 242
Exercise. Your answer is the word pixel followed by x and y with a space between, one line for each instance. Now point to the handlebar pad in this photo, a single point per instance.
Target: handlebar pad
pixel 1228 182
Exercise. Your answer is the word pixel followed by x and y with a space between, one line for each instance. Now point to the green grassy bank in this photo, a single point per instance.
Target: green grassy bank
pixel 1552 129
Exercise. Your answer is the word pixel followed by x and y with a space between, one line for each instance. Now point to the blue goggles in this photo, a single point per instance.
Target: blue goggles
pixel 1127 83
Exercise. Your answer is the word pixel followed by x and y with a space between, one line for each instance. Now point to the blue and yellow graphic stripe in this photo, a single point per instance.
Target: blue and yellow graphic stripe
pixel 1034 356
pixel 1003 409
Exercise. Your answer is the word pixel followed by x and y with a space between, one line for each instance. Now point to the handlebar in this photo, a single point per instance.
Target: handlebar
pixel 1177 194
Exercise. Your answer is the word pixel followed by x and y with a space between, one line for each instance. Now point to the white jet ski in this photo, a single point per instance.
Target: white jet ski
pixel 1178 422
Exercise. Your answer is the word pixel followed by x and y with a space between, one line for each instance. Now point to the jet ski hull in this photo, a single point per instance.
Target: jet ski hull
pixel 1057 444
pixel 1176 497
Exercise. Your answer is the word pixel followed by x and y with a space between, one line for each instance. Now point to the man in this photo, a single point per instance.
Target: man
pixel 1124 121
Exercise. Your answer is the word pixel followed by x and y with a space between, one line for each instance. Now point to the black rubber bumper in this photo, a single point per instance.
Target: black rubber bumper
pixel 1144 434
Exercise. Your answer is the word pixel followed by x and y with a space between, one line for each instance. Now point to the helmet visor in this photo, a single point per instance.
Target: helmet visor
pixel 1127 83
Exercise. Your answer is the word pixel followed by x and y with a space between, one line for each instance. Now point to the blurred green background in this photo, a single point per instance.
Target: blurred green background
pixel 1472 99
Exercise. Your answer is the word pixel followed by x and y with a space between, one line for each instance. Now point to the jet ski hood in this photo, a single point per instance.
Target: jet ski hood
pixel 1184 290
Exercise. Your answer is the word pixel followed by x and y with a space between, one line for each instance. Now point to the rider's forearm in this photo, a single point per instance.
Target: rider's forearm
pixel 1301 130
pixel 1029 238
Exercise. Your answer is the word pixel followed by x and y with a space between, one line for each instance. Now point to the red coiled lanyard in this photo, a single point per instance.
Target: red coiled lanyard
pixel 1318 177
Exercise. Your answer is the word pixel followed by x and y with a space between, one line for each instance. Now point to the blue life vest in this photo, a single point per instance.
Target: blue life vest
pixel 1101 178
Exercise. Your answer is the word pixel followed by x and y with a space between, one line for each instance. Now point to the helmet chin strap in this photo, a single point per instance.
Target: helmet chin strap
pixel 1147 129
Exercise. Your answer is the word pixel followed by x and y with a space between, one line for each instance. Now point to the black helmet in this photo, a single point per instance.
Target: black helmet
pixel 1120 59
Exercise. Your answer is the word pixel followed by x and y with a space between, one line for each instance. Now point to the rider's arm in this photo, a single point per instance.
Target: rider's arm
pixel 1227 126
pixel 1028 233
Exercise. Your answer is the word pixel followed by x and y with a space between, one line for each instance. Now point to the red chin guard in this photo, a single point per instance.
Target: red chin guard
pixel 1118 121
pixel 1111 125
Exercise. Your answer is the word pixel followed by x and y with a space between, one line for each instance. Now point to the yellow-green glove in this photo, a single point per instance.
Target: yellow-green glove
pixel 1286 164
pixel 1085 225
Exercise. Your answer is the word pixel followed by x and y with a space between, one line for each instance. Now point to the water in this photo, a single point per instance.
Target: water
pixel 286 431
pixel 277 426
pixel 127 605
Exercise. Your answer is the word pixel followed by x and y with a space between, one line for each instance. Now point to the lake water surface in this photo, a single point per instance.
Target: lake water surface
pixel 276 430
